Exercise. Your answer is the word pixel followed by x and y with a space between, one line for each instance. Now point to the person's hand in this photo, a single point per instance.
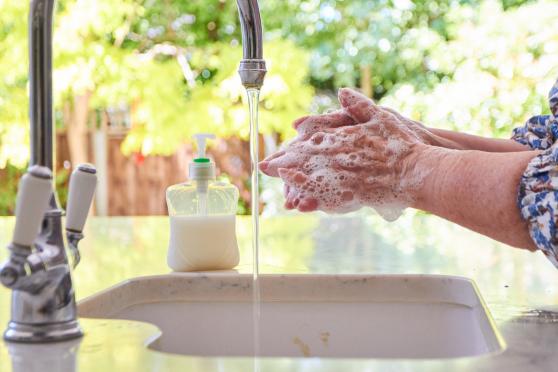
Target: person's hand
pixel 308 125
pixel 361 107
pixel 362 155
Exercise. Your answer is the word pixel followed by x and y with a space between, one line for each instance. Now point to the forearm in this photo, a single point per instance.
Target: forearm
pixel 477 190
pixel 465 141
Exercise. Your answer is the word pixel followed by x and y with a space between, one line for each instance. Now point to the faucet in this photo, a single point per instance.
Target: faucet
pixel 252 66
pixel 38 269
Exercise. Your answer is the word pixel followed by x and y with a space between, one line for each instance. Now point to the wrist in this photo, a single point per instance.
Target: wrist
pixel 432 164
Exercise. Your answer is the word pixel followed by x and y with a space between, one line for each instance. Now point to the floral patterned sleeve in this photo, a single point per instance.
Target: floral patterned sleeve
pixel 538 188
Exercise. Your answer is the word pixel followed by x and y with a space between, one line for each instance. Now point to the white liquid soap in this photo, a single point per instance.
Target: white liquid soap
pixel 202 219
pixel 202 243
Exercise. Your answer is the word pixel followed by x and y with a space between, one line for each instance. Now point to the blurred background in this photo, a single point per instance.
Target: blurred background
pixel 135 79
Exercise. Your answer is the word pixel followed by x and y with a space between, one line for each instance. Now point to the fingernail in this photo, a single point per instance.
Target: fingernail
pixel 349 97
pixel 344 95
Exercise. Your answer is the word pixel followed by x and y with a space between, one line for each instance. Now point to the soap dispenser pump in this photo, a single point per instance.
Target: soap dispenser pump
pixel 202 218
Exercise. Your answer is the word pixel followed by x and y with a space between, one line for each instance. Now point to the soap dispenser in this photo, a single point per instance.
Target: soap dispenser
pixel 202 218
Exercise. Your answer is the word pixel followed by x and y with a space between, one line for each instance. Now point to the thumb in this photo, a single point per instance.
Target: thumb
pixel 357 105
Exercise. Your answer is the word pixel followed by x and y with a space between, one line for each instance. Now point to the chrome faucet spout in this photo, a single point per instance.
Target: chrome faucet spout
pixel 251 27
pixel 252 68
pixel 40 82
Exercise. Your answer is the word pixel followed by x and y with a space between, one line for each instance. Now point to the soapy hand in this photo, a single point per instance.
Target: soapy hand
pixel 361 155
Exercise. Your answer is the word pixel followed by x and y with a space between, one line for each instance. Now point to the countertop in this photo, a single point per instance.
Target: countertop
pixel 518 286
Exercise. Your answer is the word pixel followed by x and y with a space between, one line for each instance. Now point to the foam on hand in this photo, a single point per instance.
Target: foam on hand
pixel 337 174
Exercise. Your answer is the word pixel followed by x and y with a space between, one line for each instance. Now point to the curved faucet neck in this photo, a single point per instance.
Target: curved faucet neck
pixel 40 82
pixel 252 68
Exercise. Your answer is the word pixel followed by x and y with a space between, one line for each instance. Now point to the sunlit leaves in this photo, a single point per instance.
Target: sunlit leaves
pixel 13 84
pixel 496 84
pixel 127 54
pixel 494 66
pixel 170 113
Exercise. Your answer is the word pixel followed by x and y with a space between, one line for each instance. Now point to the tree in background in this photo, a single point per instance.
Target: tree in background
pixel 495 84
pixel 172 63
pixel 371 44
pixel 479 66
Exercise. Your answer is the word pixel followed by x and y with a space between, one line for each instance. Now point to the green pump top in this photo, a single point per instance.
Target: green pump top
pixel 202 168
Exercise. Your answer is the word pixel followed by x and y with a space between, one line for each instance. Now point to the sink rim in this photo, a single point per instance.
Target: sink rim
pixel 196 287
pixel 164 281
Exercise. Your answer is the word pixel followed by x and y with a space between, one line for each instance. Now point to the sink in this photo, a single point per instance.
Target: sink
pixel 329 316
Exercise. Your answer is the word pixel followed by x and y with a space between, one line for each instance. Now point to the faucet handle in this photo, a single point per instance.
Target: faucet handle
pixel 81 190
pixel 34 193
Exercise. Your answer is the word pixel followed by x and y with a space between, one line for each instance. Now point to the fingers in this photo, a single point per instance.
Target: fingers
pixel 348 97
pixel 281 159
pixel 289 193
pixel 264 164
pixel 300 120
pixel 333 119
pixel 308 205
pixel 293 198
pixel 363 110
pixel 292 177
pixel 308 125
pixel 402 118
pixel 303 205
pixel 397 114
pixel 358 106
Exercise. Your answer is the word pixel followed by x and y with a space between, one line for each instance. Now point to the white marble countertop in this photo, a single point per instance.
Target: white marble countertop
pixel 518 286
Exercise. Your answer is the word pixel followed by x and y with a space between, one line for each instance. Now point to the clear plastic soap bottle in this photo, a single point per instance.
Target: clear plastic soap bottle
pixel 202 218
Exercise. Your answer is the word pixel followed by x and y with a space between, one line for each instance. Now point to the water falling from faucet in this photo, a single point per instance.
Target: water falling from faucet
pixel 252 71
pixel 253 99
pixel 253 95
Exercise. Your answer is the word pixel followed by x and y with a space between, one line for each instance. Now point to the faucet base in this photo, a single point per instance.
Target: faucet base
pixel 40 333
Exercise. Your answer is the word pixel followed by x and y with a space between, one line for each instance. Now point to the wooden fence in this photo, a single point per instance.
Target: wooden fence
pixel 135 185
pixel 128 185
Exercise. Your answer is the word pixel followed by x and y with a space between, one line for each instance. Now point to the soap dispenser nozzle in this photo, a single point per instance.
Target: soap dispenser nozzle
pixel 201 139
pixel 202 170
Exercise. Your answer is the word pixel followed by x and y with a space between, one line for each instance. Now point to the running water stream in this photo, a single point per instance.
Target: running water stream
pixel 253 100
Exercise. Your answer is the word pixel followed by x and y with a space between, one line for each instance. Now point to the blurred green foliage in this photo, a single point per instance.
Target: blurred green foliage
pixel 495 84
pixel 481 66
pixel 173 62
pixel 8 187
pixel 396 38
pixel 218 104
pixel 393 37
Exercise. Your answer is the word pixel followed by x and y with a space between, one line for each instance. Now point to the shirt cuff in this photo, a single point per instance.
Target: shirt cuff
pixel 540 132
pixel 538 201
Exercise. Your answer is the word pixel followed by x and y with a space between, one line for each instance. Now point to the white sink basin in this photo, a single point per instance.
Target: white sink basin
pixel 343 316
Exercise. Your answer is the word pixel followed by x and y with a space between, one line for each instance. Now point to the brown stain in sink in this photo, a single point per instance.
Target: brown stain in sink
pixel 324 336
pixel 304 348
